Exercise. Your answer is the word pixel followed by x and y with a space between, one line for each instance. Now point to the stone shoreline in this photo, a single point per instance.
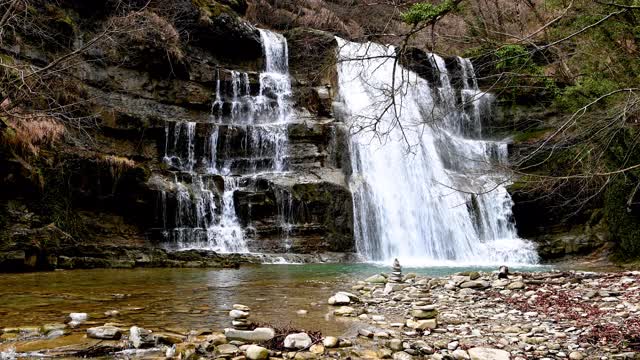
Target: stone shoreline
pixel 545 315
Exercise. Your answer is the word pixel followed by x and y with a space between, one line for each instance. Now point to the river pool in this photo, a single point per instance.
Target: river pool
pixel 188 298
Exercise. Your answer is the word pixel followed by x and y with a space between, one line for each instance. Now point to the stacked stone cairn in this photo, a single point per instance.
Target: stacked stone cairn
pixel 396 274
pixel 423 316
pixel 239 317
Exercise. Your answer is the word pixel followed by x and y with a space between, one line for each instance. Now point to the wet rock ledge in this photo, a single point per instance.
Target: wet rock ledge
pixel 472 315
pixel 115 257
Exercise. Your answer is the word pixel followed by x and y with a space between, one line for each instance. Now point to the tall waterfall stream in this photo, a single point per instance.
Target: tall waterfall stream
pixel 417 164
pixel 205 215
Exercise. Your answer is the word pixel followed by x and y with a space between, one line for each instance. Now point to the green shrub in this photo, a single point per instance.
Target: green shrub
pixel 425 12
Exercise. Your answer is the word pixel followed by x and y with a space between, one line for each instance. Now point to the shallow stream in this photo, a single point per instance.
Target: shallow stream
pixel 188 298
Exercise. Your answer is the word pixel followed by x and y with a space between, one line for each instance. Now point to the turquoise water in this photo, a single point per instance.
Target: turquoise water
pixel 189 298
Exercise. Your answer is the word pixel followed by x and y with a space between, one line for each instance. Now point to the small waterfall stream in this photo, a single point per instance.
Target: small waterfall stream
pixel 414 181
pixel 246 136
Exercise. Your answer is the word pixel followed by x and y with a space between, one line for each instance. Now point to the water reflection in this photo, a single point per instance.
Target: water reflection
pixel 184 298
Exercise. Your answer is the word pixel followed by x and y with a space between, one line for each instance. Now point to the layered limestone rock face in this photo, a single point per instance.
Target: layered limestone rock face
pixel 109 198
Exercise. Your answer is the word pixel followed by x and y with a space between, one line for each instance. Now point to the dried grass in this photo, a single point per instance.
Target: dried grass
pixel 148 29
pixel 118 165
pixel 317 14
pixel 30 132
pixel 119 162
pixel 476 23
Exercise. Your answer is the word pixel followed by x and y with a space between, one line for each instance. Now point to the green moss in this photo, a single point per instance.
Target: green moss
pixel 61 18
pixel 529 135
pixel 425 12
pixel 211 8
pixel 56 201
pixel 310 193
pixel 584 91
pixel 7 59
pixel 515 58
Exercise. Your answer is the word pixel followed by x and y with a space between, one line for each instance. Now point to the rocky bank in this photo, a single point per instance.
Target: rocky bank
pixel 544 315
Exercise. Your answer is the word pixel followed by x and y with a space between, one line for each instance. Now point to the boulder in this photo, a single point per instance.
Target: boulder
pixel 297 341
pixel 255 352
pixel 141 338
pixel 257 335
pixel 104 333
pixel 481 353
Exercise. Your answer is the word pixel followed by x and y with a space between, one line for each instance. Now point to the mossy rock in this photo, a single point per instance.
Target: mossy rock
pixel 211 8
pixel 215 8
pixel 530 135
pixel 623 220
pixel 220 30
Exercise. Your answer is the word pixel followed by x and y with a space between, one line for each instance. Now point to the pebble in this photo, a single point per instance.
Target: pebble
pixel 395 345
pixel 481 353
pixel 460 355
pixel 227 349
pixel 238 314
pixel 141 338
pixel 104 333
pixel 344 311
pixel 339 299
pixel 255 352
pixel 257 335
pixel 401 355
pixel 330 342
pixel 297 341
pixel 576 355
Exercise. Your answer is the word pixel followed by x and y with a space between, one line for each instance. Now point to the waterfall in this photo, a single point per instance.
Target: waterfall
pixel 414 180
pixel 210 161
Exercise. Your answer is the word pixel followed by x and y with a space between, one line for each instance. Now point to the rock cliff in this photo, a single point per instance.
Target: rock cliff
pixel 101 195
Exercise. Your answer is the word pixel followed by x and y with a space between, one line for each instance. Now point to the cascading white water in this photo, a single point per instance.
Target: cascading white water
pixel 247 135
pixel 413 179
